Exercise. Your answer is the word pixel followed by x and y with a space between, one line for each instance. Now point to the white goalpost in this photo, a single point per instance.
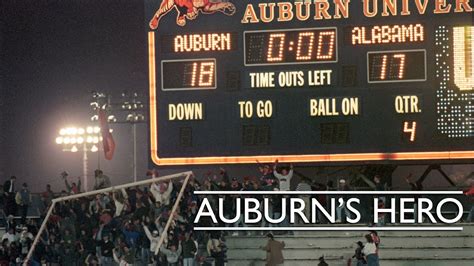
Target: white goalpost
pixel 186 176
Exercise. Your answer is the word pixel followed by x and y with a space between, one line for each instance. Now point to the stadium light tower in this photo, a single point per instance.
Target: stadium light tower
pixel 129 109
pixel 82 140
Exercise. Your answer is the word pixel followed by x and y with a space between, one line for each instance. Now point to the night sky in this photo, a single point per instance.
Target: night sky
pixel 53 54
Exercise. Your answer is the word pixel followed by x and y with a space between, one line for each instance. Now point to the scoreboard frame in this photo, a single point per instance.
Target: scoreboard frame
pixel 441 153
pixel 296 158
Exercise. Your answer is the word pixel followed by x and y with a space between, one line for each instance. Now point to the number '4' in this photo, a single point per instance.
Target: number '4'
pixel 410 128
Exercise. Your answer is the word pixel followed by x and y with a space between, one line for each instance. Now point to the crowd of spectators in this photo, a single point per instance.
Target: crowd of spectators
pixel 124 226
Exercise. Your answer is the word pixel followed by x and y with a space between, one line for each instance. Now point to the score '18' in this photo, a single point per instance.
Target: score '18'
pixel 199 74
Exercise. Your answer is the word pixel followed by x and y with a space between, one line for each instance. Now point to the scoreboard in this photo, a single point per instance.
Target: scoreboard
pixel 322 81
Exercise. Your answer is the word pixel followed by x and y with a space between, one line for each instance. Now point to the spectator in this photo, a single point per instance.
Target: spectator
pixel 23 199
pixel 87 242
pixel 9 196
pixel 342 201
pixel 267 179
pixel 215 249
pixel 470 194
pixel 152 173
pixel 189 250
pixel 10 235
pixel 379 186
pixel 130 234
pixel 381 216
pixel 141 211
pixel 4 253
pixel 106 248
pixel 9 185
pixel 122 259
pixel 304 186
pixel 375 238
pixel 128 255
pixel 120 200
pixel 74 188
pixel 162 192
pixel 92 259
pixel 81 254
pixel 284 181
pixel 10 223
pixel 229 201
pixel 68 239
pixel 101 180
pixel 153 237
pixel 247 185
pixel 415 186
pixel 370 252
pixel 32 226
pixel 358 255
pixel 277 209
pixel 172 254
pixel 264 222
pixel 25 239
pixel 322 262
pixel 236 186
pixel 99 204
pixel 322 198
pixel 274 251
pixel 284 178
pixel 68 255
pixel 47 196
pixel 14 253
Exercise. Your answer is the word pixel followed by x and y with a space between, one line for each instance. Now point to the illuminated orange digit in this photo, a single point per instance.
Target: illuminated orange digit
pixel 383 70
pixel 193 76
pixel 301 38
pixel 401 66
pixel 206 74
pixel 330 49
pixel 280 46
pixel 410 130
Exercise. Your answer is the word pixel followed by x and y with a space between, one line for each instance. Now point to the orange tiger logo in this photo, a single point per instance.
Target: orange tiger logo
pixel 189 9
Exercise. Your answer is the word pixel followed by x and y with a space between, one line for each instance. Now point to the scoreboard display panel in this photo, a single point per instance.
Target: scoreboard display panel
pixel 321 81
